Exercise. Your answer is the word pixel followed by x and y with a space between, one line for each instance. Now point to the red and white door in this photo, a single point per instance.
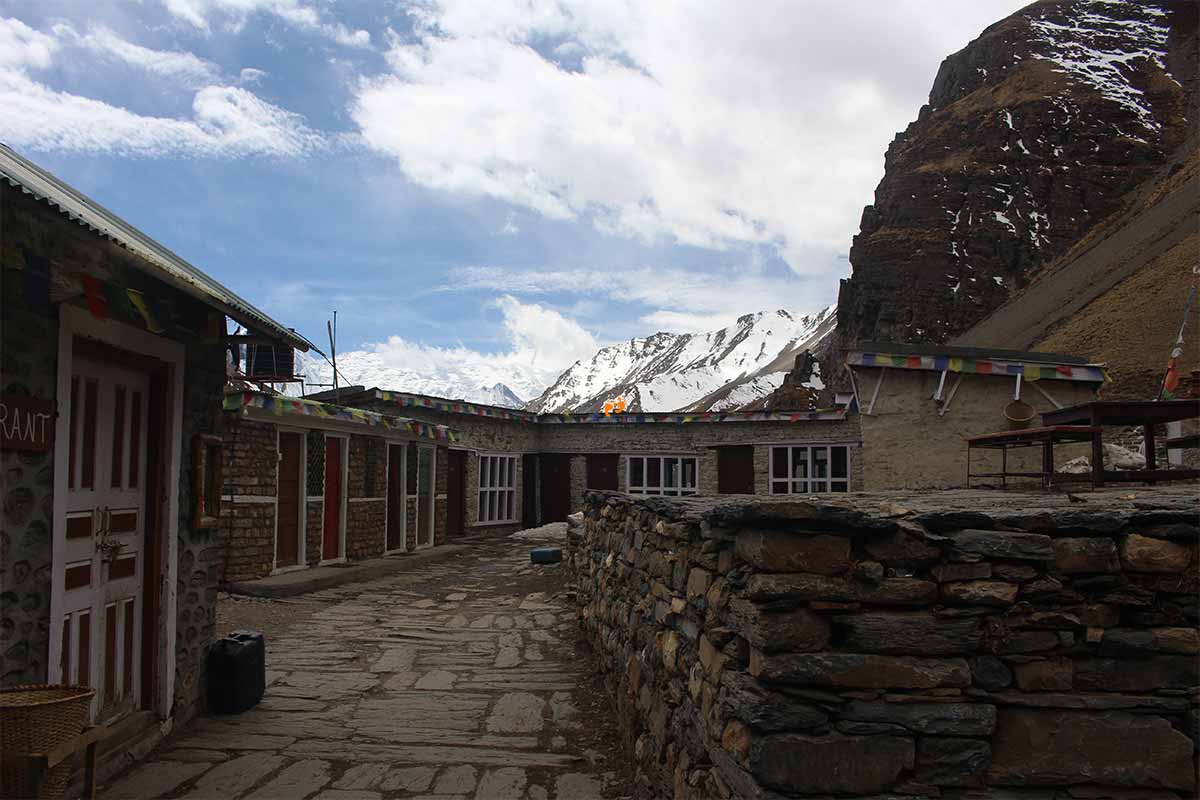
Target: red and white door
pixel 105 531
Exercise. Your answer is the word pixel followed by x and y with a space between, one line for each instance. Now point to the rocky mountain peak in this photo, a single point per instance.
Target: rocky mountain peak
pixel 1034 133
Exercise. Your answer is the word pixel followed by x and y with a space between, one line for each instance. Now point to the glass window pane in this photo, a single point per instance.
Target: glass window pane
pixel 799 462
pixel 654 472
pixel 820 462
pixel 839 462
pixel 483 506
pixel 689 473
pixel 818 486
pixel 779 462
pixel 779 487
pixel 637 472
pixel 839 486
pixel 671 472
pixel 492 505
pixel 483 471
pixel 508 472
pixel 509 509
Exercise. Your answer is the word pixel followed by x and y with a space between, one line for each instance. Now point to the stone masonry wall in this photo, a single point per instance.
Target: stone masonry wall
pixel 948 644
pixel 366 506
pixel 247 530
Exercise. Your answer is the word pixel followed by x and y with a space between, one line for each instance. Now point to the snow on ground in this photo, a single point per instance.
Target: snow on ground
pixel 1102 52
pixel 552 532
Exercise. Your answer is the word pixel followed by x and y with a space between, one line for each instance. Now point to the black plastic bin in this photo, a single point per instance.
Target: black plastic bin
pixel 237 672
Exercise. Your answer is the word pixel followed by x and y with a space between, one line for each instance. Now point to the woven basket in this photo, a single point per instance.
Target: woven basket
pixel 35 719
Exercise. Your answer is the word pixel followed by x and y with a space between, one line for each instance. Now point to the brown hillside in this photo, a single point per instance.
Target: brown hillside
pixel 1132 326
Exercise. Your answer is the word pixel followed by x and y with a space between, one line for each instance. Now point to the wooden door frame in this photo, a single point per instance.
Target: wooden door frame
pixel 162 504
pixel 301 512
pixel 345 495
pixel 387 494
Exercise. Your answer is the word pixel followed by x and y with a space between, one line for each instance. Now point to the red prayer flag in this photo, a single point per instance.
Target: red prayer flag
pixel 983 367
pixel 1171 381
pixel 913 362
pixel 96 301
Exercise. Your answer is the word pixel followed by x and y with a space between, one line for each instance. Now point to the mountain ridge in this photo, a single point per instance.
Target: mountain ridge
pixel 714 370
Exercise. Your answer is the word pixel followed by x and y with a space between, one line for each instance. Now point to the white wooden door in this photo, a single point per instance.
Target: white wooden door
pixel 105 527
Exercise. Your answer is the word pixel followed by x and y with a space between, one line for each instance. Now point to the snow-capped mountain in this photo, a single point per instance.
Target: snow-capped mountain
pixel 718 370
pixel 371 369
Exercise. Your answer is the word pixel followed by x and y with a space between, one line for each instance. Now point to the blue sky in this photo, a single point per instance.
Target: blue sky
pixel 465 180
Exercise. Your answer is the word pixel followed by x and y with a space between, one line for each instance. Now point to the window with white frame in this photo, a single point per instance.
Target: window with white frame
pixel 806 469
pixel 669 475
pixel 497 488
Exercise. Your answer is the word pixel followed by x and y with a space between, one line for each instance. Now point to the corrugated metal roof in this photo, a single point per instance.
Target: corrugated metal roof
pixel 168 266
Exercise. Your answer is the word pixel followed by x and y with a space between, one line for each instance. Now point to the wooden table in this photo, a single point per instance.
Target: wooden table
pixel 1044 437
pixel 1143 413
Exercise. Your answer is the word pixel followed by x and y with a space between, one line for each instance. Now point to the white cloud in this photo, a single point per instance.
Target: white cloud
pixel 540 343
pixel 234 13
pixel 250 76
pixel 186 68
pixel 227 121
pixel 710 124
pixel 683 300
pixel 22 46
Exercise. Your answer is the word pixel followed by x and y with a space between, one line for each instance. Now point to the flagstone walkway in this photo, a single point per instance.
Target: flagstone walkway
pixel 467 680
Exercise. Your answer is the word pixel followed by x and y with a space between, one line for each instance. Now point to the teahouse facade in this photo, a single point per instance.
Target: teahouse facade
pixel 116 348
pixel 511 469
pixel 919 403
pixel 309 483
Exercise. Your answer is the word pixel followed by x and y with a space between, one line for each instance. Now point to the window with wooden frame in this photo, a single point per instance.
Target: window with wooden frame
pixel 497 488
pixel 810 469
pixel 208 457
pixel 666 475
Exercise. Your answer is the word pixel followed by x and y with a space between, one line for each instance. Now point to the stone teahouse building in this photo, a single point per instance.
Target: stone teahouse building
pixel 308 483
pixel 111 379
pixel 919 403
pixel 510 469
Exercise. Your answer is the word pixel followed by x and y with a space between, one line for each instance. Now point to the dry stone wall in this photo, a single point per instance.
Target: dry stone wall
pixel 953 644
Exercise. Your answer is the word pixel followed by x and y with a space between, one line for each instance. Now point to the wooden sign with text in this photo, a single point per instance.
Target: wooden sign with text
pixel 26 423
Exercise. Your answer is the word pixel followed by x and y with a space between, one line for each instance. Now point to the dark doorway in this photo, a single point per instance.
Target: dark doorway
pixel 456 493
pixel 555 472
pixel 529 473
pixel 735 469
pixel 602 471
pixel 287 531
pixel 395 498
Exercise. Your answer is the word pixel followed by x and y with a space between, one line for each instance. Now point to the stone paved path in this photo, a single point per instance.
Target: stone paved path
pixel 464 681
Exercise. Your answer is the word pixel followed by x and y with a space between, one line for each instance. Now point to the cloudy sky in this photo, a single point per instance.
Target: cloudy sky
pixel 511 181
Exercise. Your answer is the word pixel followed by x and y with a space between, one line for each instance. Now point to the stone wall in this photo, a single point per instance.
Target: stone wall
pixel 943 644
pixel 366 506
pixel 247 532
pixel 199 549
pixel 26 487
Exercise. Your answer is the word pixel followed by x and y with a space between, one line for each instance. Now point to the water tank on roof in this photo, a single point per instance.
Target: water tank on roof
pixel 270 361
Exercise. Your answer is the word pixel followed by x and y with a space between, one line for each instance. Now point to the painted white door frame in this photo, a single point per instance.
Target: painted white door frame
pixel 73 322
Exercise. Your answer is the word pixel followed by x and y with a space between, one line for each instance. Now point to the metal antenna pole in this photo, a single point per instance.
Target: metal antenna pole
pixel 332 329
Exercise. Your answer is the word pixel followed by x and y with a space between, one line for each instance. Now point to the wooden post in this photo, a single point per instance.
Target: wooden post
pixel 1097 453
pixel 1047 463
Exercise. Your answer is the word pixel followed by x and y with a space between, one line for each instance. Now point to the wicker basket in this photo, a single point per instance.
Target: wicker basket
pixel 35 719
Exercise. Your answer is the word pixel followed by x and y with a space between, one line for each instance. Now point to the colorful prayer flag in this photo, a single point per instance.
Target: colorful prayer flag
pixel 138 301
pixel 95 296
